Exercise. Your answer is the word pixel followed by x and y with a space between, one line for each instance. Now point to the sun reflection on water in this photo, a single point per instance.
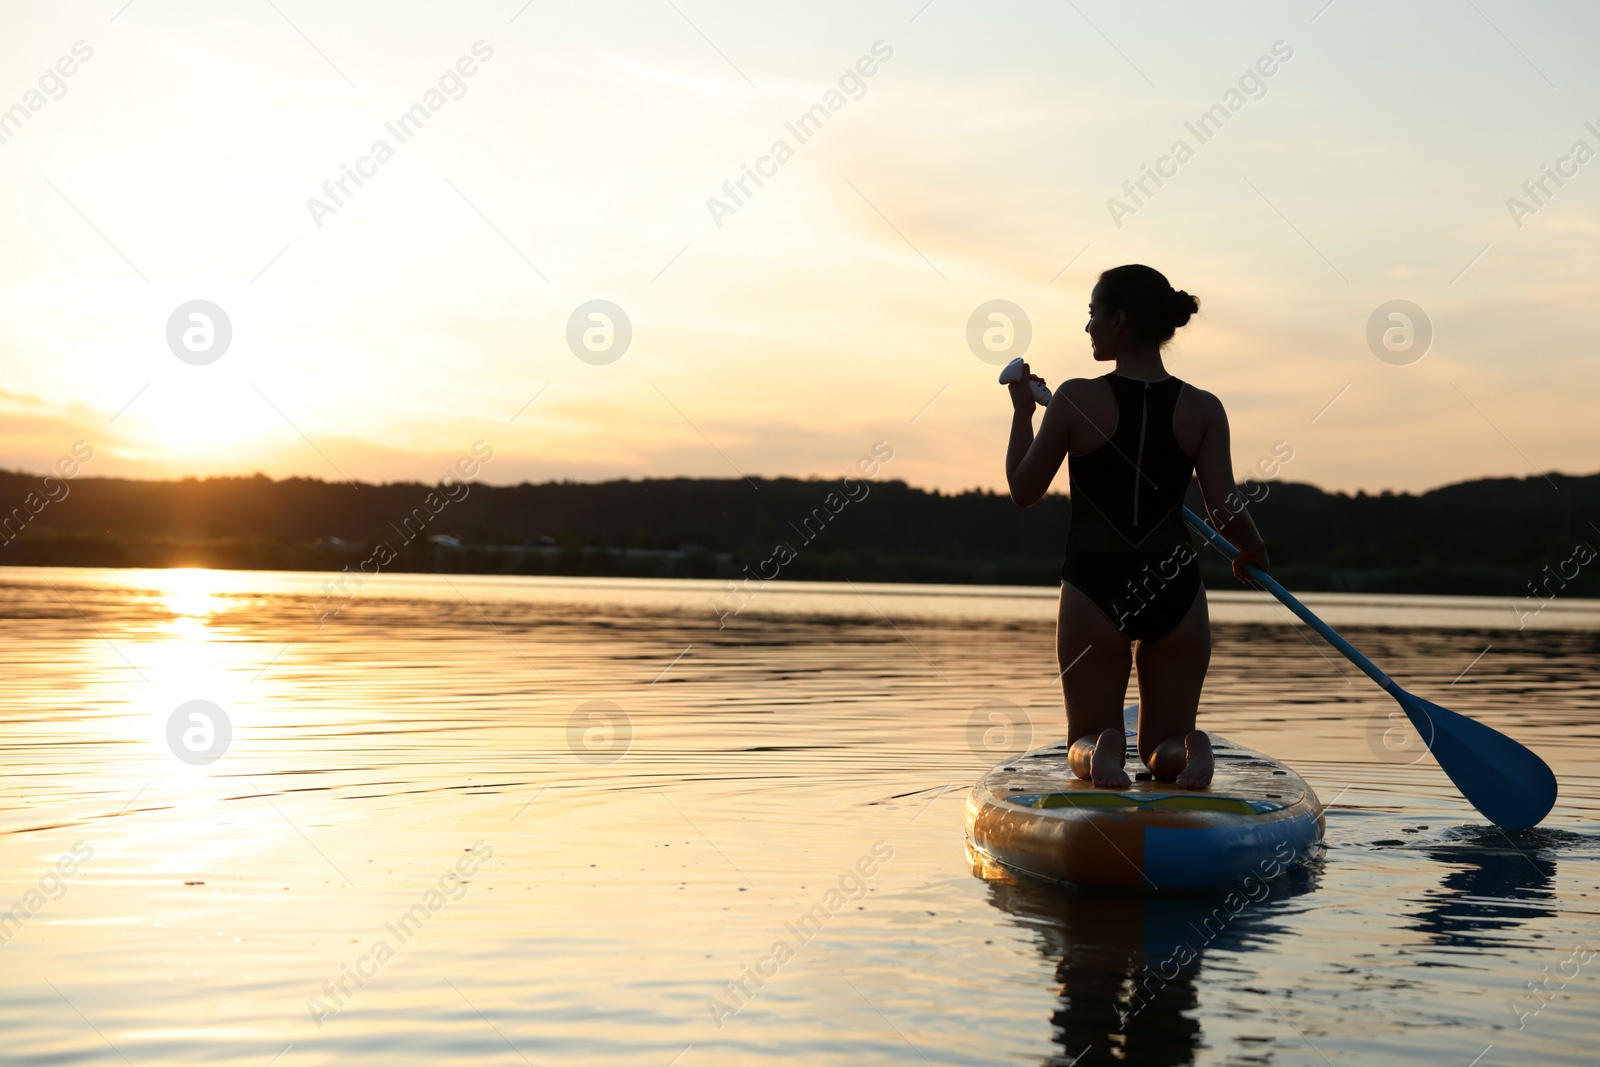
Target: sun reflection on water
pixel 192 598
pixel 189 658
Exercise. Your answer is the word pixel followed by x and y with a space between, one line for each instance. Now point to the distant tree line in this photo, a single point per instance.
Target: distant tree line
pixel 1500 536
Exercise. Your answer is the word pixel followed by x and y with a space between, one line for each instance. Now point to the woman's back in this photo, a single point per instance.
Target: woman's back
pixel 1127 493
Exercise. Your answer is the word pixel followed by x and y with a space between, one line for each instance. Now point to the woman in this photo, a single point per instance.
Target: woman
pixel 1131 592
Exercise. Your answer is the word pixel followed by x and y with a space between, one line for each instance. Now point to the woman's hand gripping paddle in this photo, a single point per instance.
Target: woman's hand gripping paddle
pixel 1511 786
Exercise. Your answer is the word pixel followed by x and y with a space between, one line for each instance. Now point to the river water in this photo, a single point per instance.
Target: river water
pixel 483 820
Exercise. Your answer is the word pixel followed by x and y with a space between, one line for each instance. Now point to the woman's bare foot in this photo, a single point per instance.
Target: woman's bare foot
pixel 1109 752
pixel 1200 765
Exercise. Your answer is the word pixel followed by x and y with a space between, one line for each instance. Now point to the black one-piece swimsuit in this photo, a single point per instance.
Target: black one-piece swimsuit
pixel 1128 550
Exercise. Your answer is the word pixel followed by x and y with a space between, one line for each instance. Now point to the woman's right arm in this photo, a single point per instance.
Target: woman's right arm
pixel 1213 466
pixel 1032 462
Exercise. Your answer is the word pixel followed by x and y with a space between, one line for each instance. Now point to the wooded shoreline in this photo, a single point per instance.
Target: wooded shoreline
pixel 1531 537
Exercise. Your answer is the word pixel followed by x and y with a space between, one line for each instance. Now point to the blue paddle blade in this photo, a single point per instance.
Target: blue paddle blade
pixel 1507 783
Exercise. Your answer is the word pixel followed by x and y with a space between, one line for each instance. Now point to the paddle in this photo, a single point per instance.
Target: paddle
pixel 1511 786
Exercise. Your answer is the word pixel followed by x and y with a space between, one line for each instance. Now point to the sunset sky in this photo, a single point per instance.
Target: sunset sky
pixel 828 308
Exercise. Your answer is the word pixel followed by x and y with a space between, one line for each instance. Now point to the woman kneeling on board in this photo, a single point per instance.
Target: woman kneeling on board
pixel 1131 591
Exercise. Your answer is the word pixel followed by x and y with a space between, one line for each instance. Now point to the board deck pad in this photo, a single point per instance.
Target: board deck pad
pixel 1257 819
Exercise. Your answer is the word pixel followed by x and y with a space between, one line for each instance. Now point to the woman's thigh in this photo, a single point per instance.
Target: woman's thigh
pixel 1095 659
pixel 1171 673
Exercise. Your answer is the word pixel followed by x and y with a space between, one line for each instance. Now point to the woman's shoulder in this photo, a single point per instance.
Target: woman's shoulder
pixel 1091 397
pixel 1089 412
pixel 1201 402
pixel 1083 388
pixel 1196 415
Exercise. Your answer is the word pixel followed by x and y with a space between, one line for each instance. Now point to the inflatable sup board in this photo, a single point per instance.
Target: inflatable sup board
pixel 1257 819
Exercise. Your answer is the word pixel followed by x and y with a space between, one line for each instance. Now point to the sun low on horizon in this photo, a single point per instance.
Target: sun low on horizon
pixel 709 240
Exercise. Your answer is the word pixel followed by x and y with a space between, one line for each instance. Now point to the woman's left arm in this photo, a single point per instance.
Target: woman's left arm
pixel 1213 468
pixel 1032 462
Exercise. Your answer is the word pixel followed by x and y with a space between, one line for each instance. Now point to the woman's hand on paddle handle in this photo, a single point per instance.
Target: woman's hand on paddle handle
pixel 1247 556
pixel 1022 399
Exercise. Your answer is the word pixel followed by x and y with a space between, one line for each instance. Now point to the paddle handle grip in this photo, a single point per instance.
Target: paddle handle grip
pixel 1013 374
pixel 1267 582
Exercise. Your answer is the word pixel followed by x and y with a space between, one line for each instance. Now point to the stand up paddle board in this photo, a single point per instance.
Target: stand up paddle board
pixel 1258 819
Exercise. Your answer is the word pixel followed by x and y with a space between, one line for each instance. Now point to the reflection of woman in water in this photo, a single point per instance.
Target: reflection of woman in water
pixel 1131 591
pixel 1129 964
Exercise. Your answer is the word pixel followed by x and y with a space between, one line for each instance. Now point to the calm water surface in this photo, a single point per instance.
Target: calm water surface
pixel 509 821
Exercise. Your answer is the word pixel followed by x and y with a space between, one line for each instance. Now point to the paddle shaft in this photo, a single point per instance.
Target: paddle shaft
pixel 1267 582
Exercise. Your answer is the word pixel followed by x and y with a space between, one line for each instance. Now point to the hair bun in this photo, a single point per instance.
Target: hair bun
pixel 1154 308
pixel 1183 306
